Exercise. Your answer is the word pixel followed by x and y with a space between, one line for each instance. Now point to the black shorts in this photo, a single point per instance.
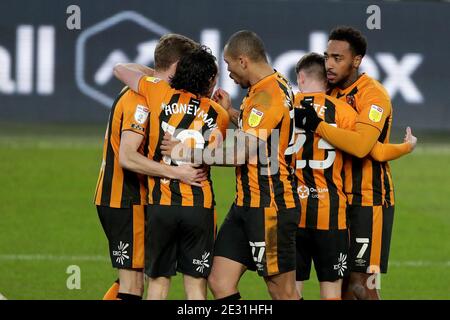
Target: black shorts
pixel 370 238
pixel 124 229
pixel 327 248
pixel 262 239
pixel 179 239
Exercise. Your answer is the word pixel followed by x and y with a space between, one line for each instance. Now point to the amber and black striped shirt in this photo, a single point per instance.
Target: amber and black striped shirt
pixel 320 167
pixel 188 118
pixel 267 113
pixel 369 182
pixel 117 187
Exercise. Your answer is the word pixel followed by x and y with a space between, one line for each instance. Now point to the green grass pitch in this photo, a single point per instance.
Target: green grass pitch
pixel 48 221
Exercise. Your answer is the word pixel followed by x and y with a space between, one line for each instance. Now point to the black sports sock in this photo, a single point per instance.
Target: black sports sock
pixel 127 296
pixel 235 296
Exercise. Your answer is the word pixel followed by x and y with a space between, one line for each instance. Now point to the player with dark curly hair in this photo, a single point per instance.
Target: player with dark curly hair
pixel 195 72
pixel 259 231
pixel 180 217
pixel 120 195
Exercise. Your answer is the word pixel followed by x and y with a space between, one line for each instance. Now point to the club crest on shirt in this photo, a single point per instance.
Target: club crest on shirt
pixel 255 117
pixel 351 100
pixel 141 114
pixel 375 113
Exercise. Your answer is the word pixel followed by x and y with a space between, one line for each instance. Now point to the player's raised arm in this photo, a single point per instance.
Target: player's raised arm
pixel 131 159
pixel 242 150
pixel 357 143
pixel 134 127
pixel 383 152
pixel 131 73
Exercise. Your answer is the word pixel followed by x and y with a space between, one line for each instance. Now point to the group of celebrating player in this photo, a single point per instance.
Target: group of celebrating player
pixel 312 178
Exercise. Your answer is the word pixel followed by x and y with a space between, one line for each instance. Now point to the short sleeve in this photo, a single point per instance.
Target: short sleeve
pixel 259 120
pixel 135 113
pixel 222 122
pixel 152 89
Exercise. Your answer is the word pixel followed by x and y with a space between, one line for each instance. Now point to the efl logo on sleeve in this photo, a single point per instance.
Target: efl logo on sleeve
pixel 375 113
pixel 141 114
pixel 153 79
pixel 255 118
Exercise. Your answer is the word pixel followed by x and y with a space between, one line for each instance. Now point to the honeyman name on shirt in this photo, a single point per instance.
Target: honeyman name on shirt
pixel 191 109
